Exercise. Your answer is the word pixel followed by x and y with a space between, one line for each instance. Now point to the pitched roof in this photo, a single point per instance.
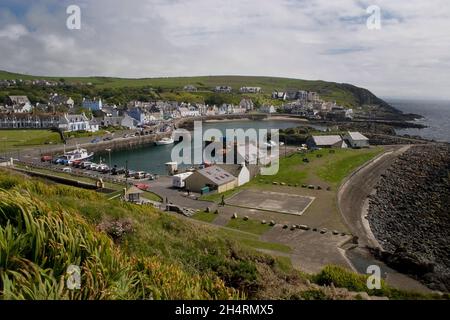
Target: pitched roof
pixel 326 140
pixel 216 175
pixel 133 190
pixel 357 136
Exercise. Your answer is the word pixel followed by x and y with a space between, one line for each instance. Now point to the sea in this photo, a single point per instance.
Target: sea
pixel 436 116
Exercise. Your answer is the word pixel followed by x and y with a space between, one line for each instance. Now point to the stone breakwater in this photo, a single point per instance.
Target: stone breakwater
pixel 410 215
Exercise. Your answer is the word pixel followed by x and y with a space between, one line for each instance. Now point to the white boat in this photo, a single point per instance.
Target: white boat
pixel 164 141
pixel 78 154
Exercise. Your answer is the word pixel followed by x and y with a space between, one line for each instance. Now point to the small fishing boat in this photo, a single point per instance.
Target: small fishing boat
pixel 76 155
pixel 164 141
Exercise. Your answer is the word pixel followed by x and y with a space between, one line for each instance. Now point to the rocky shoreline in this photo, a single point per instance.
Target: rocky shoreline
pixel 410 215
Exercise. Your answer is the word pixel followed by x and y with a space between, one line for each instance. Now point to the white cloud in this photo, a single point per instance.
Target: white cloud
pixel 13 31
pixel 318 39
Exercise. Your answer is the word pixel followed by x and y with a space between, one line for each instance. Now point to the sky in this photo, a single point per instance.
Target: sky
pixel 408 56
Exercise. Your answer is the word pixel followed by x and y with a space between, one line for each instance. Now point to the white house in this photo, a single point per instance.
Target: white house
pixel 250 89
pixel 77 122
pixel 188 112
pixel 19 104
pixel 356 140
pixel 247 104
pixel 267 109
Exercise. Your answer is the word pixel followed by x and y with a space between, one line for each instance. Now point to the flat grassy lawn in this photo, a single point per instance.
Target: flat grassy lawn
pixel 329 165
pixel 252 226
pixel 335 170
pixel 205 216
pixel 253 241
pixel 217 197
pixel 15 139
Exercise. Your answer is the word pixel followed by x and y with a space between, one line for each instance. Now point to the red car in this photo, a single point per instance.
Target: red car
pixel 46 158
pixel 142 186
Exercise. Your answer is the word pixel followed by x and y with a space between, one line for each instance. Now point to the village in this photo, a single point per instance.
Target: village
pixel 93 113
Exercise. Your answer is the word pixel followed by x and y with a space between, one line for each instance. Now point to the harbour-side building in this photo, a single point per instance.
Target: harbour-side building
pixel 211 178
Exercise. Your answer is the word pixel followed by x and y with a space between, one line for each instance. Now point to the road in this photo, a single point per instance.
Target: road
pixel 354 192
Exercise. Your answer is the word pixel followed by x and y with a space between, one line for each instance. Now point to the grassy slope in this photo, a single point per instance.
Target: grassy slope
pixel 252 226
pixel 127 251
pixel 344 94
pixel 182 259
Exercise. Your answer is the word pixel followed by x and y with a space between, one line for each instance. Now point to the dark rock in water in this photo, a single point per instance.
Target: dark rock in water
pixel 410 214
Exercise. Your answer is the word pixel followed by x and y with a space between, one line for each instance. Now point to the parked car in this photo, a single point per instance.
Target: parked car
pixel 115 170
pixel 46 158
pixel 140 175
pixel 129 173
pixel 93 166
pixel 96 140
pixel 85 164
pixel 102 168
pixel 76 163
pixel 142 186
pixel 107 138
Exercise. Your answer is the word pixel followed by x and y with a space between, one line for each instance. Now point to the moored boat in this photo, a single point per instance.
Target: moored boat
pixel 76 155
pixel 164 141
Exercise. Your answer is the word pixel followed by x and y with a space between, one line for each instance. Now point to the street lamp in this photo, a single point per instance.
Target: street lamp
pixel 109 152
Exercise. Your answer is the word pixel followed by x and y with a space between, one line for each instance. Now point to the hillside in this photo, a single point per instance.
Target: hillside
pixel 171 87
pixel 127 251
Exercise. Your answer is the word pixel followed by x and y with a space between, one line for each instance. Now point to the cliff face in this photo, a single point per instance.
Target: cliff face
pixel 364 96
pixel 410 214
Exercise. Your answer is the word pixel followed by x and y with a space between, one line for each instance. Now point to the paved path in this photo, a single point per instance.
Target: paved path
pixel 353 205
pixel 354 192
pixel 163 188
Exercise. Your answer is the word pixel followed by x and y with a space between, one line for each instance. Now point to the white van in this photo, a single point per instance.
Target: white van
pixel 178 180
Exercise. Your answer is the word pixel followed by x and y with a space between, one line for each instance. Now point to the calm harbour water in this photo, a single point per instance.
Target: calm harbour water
pixel 436 116
pixel 153 158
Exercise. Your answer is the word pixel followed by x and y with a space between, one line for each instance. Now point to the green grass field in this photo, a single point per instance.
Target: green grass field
pixel 329 165
pixel 18 139
pixel 205 216
pixel 252 226
pixel 334 171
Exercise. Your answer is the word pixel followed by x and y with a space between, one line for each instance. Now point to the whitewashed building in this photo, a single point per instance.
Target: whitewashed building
pixel 356 140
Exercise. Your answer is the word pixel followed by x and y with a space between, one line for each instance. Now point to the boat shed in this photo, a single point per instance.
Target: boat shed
pixel 356 140
pixel 330 141
pixel 214 177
